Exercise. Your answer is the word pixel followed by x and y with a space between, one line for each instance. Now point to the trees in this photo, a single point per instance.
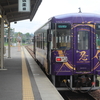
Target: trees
pixel 26 38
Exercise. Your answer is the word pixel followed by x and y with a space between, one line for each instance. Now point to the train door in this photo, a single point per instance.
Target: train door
pixel 49 36
pixel 83 48
pixel 97 50
pixel 34 44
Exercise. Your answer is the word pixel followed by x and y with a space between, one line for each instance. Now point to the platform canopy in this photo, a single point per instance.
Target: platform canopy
pixel 9 9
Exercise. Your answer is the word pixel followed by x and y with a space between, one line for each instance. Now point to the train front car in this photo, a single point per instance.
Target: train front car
pixel 75 51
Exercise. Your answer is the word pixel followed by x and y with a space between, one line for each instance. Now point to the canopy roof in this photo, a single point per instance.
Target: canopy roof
pixel 9 9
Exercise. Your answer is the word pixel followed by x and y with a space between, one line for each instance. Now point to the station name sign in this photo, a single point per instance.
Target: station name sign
pixel 23 5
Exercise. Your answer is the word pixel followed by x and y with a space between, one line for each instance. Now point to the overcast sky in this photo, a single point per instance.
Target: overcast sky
pixel 49 8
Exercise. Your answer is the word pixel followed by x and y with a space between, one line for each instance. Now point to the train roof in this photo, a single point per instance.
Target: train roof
pixel 77 18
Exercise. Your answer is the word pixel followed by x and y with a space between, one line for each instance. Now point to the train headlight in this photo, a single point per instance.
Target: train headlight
pixel 61 59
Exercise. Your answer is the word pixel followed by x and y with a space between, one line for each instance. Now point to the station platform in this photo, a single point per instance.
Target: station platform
pixel 22 79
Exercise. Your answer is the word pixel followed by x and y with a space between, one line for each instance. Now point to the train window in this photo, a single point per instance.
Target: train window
pixel 45 41
pixel 38 40
pixel 63 39
pixel 83 40
pixel 97 39
pixel 41 41
pixel 52 42
pixel 35 41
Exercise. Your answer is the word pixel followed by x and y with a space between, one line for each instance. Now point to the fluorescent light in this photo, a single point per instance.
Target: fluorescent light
pixel 0 16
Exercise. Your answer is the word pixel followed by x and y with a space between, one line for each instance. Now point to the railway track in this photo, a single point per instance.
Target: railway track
pixel 95 94
pixel 68 95
pixel 30 51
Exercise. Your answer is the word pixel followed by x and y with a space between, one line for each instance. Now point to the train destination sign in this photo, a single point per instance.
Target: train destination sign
pixel 63 26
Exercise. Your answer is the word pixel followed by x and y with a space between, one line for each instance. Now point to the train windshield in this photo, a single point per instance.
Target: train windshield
pixel 97 36
pixel 97 39
pixel 61 39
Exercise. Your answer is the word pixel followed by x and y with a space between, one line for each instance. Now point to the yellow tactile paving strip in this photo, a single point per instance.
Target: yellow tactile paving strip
pixel 26 84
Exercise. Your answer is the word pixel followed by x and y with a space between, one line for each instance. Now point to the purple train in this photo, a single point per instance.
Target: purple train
pixel 68 47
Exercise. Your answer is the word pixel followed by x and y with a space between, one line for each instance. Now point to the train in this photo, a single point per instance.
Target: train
pixel 68 48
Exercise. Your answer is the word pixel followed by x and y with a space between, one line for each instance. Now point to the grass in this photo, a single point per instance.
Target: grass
pixel 5 44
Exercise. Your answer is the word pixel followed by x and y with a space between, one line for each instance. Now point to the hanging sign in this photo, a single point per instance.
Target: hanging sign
pixel 23 5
